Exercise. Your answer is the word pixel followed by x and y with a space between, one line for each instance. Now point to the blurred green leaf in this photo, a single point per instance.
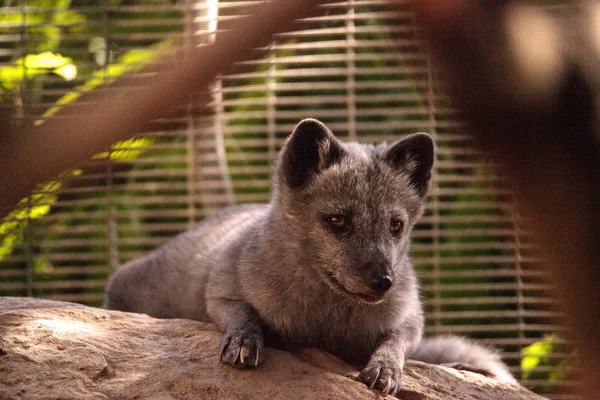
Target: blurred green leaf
pixel 126 150
pixel 132 61
pixel 37 64
pixel 47 26
pixel 33 207
pixel 536 354
pixel 46 60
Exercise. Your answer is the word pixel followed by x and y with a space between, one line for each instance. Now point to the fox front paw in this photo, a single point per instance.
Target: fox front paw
pixel 386 377
pixel 242 348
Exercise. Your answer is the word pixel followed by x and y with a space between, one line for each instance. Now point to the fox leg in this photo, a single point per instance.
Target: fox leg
pixel 243 339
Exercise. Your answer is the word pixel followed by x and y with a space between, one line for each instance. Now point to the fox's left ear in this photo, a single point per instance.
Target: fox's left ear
pixel 414 155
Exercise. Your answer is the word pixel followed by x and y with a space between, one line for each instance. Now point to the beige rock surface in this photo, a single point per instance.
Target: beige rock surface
pixel 55 350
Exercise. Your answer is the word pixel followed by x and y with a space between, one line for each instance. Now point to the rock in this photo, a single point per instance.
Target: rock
pixel 56 350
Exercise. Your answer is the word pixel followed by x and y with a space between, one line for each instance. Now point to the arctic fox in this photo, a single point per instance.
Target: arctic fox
pixel 325 264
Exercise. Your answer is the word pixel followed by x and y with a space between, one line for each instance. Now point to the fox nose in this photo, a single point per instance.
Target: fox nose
pixel 382 283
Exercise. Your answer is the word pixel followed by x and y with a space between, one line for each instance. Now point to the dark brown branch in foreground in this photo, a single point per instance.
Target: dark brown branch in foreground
pixel 34 155
pixel 542 121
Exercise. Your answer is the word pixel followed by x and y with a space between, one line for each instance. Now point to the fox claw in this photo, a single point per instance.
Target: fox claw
pixel 382 377
pixel 242 349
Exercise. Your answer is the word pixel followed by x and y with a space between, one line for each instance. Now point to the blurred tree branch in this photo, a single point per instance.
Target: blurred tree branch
pixel 529 91
pixel 33 155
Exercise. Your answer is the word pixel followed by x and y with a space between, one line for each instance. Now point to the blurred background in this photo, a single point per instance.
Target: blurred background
pixel 360 66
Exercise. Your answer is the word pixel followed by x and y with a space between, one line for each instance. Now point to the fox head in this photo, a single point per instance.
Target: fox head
pixel 347 209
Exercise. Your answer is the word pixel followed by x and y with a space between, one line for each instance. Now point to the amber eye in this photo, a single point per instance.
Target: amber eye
pixel 396 227
pixel 337 221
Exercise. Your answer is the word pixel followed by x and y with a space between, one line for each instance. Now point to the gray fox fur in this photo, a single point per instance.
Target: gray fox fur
pixel 324 264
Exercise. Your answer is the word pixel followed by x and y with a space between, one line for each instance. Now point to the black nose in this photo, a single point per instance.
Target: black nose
pixel 382 284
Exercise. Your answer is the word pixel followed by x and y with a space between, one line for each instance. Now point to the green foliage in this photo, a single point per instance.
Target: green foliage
pixel 39 203
pixel 33 207
pixel 542 361
pixel 44 19
pixel 37 64
pixel 535 354
pixel 129 149
pixel 43 24
pixel 132 61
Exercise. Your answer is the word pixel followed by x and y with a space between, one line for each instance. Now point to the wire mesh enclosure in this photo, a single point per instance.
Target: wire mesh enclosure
pixel 360 67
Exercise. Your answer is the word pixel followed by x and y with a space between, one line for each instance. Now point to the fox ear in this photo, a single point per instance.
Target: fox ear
pixel 413 155
pixel 310 149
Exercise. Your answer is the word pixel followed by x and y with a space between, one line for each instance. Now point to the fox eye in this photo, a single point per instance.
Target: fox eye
pixel 396 227
pixel 338 222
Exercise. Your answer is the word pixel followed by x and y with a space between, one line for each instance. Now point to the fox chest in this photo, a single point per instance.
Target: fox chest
pixel 351 334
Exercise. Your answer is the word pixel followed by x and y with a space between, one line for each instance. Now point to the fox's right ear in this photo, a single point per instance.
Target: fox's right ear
pixel 310 149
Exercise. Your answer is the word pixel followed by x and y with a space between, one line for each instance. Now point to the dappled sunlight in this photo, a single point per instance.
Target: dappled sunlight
pixel 68 327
